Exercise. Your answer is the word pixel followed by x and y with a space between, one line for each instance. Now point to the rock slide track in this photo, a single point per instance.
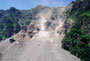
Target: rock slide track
pixel 39 41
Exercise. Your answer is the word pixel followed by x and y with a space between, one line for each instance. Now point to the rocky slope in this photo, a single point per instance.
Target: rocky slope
pixel 41 39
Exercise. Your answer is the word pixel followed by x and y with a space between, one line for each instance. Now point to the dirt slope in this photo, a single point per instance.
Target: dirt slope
pixel 39 41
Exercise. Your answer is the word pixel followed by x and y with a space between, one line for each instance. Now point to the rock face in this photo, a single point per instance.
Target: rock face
pixel 40 40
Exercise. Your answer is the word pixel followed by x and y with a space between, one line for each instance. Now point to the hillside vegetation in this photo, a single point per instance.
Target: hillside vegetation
pixel 77 40
pixel 13 20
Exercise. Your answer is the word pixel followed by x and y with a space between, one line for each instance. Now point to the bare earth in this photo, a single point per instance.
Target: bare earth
pixel 44 46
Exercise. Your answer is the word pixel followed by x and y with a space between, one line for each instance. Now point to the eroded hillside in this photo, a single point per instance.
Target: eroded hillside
pixel 41 39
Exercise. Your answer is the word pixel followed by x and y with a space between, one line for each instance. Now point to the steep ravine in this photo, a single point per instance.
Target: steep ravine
pixel 40 40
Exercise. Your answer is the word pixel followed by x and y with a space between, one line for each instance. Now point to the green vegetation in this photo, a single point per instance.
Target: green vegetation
pixel 87 13
pixel 77 40
pixel 13 20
